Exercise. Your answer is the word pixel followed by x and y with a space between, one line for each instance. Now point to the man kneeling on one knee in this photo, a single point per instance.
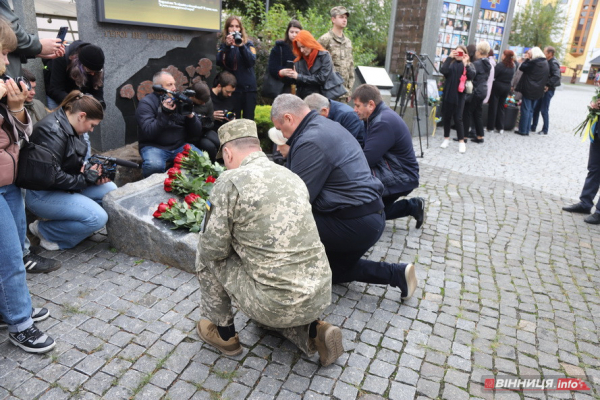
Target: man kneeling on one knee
pixel 260 249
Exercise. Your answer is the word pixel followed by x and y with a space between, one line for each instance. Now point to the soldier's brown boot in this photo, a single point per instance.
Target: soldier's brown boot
pixel 209 333
pixel 328 342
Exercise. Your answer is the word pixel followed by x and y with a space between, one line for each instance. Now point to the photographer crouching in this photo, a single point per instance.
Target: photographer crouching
pixel 166 120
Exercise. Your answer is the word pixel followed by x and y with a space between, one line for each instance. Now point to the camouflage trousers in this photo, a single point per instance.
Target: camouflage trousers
pixel 216 305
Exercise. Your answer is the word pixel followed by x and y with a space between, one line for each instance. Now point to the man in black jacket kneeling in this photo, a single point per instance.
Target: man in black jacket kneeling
pixel 164 127
pixel 345 196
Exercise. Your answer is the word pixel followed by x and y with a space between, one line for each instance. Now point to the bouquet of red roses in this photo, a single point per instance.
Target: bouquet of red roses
pixel 193 176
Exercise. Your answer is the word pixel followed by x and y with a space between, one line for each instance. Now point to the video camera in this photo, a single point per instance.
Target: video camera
pixel 109 166
pixel 237 37
pixel 185 104
pixel 18 81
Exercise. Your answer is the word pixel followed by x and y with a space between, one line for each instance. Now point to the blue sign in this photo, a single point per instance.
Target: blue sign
pixel 495 5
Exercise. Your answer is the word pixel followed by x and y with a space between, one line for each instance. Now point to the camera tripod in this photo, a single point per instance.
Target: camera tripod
pixel 408 92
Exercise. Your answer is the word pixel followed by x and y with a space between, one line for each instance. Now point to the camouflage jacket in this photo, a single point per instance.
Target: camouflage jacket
pixel 340 49
pixel 261 218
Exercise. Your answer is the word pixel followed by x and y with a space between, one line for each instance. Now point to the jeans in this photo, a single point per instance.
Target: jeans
pixel 155 159
pixel 26 242
pixel 72 217
pixel 15 301
pixel 543 105
pixel 346 241
pixel 527 107
pixel 592 180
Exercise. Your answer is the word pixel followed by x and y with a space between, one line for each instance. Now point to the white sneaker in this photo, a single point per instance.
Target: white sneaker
pixel 462 147
pixel 33 227
pixel 445 143
pixel 501 131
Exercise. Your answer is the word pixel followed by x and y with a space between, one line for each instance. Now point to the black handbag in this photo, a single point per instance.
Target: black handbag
pixel 271 87
pixel 37 167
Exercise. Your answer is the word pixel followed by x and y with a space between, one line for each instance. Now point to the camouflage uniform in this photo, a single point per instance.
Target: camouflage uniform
pixel 261 249
pixel 340 49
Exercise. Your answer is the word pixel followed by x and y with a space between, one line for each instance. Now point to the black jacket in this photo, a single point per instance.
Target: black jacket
pixel 503 77
pixel 319 79
pixel 61 84
pixel 280 54
pixel 388 139
pixel 452 72
pixel 534 79
pixel 554 71
pixel 480 82
pixel 332 165
pixel 55 133
pixel 240 62
pixel 163 130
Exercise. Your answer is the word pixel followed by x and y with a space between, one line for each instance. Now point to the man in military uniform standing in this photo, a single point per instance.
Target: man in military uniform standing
pixel 260 248
pixel 340 48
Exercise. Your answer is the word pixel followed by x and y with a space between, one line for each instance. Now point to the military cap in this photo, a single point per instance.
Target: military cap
pixel 236 129
pixel 339 10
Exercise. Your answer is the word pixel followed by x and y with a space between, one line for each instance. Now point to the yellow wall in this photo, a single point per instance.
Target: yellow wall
pixel 570 60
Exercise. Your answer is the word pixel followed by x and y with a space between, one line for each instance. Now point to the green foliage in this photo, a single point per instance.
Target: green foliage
pixel 537 24
pixel 262 117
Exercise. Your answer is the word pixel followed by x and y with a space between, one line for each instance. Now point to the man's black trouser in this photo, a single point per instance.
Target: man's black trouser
pixel 592 181
pixel 346 241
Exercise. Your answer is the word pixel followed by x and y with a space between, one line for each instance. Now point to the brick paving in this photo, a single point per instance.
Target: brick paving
pixel 509 285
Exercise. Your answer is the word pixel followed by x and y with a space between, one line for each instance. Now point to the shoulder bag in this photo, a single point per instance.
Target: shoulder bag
pixel 37 167
pixel 271 87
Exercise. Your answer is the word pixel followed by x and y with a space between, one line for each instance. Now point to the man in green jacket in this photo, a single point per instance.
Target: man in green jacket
pixel 260 248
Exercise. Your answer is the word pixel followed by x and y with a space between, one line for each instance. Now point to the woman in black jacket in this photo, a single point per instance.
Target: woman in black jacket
pixel 238 56
pixel 313 71
pixel 531 85
pixel 282 55
pixel 72 206
pixel 456 70
pixel 473 108
pixel 503 75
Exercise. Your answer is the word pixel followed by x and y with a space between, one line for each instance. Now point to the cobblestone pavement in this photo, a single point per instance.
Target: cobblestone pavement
pixel 509 285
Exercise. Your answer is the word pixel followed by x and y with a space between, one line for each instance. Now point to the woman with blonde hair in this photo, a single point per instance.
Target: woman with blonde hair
pixel 313 69
pixel 531 85
pixel 237 55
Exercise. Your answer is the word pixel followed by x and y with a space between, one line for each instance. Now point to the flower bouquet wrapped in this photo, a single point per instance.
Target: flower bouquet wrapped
pixel 588 126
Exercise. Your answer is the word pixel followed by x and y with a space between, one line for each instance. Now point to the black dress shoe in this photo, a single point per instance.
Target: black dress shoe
pixel 593 219
pixel 521 133
pixel 420 214
pixel 477 140
pixel 578 208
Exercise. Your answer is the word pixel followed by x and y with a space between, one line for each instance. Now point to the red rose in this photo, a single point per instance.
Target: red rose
pixel 173 172
pixel 210 179
pixel 162 207
pixel 187 148
pixel 156 214
pixel 192 197
pixel 168 183
pixel 177 166
pixel 179 158
pixel 172 202
pixel 506 106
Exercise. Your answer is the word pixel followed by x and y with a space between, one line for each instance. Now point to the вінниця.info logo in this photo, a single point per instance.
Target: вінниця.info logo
pixel 533 383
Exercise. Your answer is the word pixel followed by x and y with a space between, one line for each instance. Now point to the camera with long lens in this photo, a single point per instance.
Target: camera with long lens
pixel 185 105
pixel 18 81
pixel 410 55
pixel 109 167
pixel 237 37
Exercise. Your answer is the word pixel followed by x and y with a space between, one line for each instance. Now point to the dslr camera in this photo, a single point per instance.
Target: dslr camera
pixel 18 81
pixel 109 167
pixel 185 105
pixel 237 37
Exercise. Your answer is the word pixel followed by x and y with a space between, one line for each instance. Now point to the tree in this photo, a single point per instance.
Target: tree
pixel 538 24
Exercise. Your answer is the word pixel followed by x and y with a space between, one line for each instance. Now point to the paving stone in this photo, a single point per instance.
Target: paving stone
pixel 400 391
pixel 451 392
pixel 428 388
pixel 72 380
pixel 29 390
pixel 90 365
pixel 343 391
pixel 375 384
pixel 297 384
pixel 163 378
pixel 183 391
pixel 99 383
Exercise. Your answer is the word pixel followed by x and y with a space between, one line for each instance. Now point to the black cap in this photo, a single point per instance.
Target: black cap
pixel 91 57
